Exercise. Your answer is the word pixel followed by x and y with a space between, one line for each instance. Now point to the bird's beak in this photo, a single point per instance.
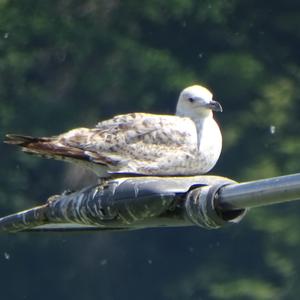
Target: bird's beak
pixel 215 106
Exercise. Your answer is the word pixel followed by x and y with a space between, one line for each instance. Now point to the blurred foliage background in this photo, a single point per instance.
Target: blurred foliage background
pixel 71 63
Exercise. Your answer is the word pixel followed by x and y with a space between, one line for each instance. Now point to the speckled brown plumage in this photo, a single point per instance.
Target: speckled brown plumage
pixel 136 143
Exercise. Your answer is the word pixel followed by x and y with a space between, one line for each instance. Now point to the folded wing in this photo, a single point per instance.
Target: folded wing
pixel 133 143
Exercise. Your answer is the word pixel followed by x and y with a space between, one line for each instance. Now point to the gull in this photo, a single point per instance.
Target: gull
pixel 185 144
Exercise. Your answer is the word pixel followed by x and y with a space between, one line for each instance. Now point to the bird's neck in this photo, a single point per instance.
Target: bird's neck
pixel 196 115
pixel 200 122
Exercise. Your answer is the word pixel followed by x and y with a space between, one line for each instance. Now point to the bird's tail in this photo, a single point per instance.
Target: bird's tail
pixel 23 140
pixel 47 147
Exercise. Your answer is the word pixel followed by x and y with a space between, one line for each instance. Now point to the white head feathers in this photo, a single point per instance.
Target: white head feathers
pixel 196 101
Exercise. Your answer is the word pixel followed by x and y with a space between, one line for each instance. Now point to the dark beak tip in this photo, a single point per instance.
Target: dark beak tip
pixel 216 106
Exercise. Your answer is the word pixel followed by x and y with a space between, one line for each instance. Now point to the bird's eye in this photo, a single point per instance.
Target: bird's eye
pixel 191 99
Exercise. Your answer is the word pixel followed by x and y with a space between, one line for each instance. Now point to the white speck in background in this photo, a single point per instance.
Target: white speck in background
pixel 103 262
pixel 6 255
pixel 272 129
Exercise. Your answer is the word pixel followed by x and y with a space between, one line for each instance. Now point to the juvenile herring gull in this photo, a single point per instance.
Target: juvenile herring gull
pixel 188 143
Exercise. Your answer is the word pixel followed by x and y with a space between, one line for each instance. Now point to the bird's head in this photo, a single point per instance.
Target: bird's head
pixel 196 101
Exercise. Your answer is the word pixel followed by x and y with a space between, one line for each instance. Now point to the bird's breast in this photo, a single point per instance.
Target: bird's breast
pixel 209 144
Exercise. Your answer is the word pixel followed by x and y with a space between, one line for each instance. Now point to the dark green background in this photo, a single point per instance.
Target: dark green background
pixel 71 63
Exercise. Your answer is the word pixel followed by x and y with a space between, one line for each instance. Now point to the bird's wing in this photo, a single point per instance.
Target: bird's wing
pixel 131 142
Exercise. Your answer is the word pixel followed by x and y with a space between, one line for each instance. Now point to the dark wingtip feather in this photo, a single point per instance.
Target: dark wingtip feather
pixel 45 147
pixel 17 139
